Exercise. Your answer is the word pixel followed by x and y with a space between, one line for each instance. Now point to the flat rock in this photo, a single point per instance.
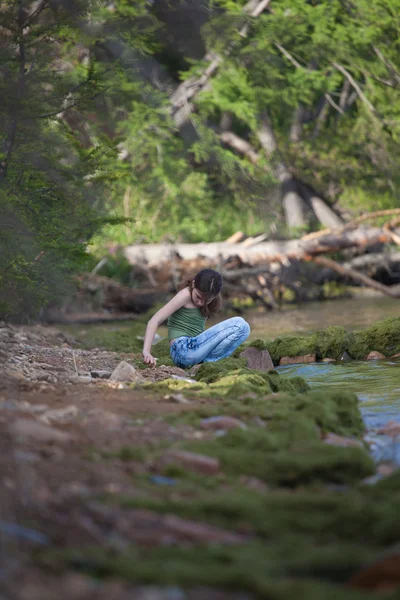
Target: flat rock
pixel 192 461
pixel 257 359
pixel 375 355
pixel 296 360
pixel 26 429
pixel 125 372
pixel 60 415
pixel 99 374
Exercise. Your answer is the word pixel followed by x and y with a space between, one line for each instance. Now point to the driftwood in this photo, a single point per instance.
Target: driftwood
pixel 264 252
pixel 259 269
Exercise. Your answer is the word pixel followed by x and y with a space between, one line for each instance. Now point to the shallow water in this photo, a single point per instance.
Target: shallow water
pixel 376 383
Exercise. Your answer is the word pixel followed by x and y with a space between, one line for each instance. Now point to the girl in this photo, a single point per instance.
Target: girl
pixel 187 312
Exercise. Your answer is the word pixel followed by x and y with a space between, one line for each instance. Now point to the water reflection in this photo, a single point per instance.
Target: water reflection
pixel 377 385
pixel 350 313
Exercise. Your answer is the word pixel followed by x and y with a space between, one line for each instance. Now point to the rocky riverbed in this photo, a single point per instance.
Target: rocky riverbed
pixel 227 481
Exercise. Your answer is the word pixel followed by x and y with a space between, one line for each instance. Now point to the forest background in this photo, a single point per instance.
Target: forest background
pixel 186 120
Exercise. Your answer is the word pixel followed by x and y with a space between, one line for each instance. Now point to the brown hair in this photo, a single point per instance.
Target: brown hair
pixel 209 283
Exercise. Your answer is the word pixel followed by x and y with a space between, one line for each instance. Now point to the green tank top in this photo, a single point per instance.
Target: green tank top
pixel 185 322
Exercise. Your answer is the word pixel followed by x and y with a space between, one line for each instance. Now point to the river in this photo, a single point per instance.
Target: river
pixel 376 382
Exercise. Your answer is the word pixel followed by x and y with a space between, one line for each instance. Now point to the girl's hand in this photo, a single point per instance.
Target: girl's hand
pixel 148 359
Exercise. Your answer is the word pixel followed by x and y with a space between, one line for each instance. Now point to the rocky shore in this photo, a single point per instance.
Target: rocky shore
pixel 225 481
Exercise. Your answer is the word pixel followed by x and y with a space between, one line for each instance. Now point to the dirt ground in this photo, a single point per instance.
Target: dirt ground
pixel 61 434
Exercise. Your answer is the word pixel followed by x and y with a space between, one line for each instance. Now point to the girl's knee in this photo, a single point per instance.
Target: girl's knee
pixel 242 324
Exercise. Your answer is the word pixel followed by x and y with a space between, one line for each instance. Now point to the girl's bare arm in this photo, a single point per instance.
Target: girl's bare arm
pixel 179 300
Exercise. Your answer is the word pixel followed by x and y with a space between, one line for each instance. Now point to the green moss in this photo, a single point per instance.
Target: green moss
pixel 383 336
pixel 241 381
pixel 287 455
pixel 251 567
pixel 332 342
pixel 291 346
pixel 212 371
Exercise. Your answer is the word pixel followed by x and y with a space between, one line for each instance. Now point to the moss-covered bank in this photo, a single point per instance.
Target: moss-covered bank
pixel 333 342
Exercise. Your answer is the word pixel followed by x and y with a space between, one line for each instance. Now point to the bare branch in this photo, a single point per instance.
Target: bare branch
pixel 241 145
pixel 355 275
pixel 355 85
pixel 387 64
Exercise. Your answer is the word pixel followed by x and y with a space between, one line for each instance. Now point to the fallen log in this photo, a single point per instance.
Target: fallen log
pixel 267 251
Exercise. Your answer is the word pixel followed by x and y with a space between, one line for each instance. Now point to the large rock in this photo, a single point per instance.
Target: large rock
pixel 125 372
pixel 257 359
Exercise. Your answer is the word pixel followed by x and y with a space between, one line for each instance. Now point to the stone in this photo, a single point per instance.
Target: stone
pixel 192 461
pixel 79 379
pixel 99 374
pixel 339 440
pixel 222 422
pixel 200 532
pixel 297 360
pixel 257 359
pixel 392 429
pixel 328 360
pixel 179 398
pixel 374 355
pixel 60 415
pixel 25 429
pixel 125 372
pixel 396 355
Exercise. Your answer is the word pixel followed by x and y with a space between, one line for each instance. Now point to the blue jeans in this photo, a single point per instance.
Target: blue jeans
pixel 213 344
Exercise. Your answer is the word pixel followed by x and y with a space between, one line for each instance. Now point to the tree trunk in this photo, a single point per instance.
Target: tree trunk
pixel 293 204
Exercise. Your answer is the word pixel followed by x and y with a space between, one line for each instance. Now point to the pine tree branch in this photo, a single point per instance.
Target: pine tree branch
pixel 181 108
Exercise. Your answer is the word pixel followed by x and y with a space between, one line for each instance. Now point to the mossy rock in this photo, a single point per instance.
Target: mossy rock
pixel 287 454
pixel 332 342
pixel 212 371
pixel 383 336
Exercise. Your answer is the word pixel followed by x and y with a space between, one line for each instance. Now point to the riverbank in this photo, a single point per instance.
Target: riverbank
pixel 224 483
